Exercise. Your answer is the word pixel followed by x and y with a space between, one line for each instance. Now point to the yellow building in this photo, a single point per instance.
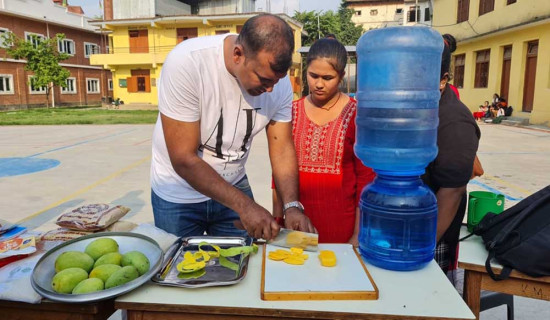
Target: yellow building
pixel 138 48
pixel 503 48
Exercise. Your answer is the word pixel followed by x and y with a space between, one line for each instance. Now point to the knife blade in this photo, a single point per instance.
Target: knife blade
pixel 288 238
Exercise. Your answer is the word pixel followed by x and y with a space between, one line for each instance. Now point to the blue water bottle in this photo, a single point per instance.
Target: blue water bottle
pixel 397 118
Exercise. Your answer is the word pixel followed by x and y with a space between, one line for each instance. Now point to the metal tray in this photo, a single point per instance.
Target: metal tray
pixel 45 268
pixel 216 274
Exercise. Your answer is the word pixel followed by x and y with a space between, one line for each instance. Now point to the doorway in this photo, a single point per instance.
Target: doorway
pixel 505 80
pixel 530 76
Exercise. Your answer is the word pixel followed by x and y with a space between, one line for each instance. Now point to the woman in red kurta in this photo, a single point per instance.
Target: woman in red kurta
pixel 331 176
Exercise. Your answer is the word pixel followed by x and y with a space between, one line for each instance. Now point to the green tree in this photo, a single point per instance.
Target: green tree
pixel 349 32
pixel 318 24
pixel 43 59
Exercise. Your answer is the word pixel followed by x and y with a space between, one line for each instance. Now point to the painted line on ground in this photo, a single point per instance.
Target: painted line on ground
pixel 483 185
pixel 87 188
pixel 508 184
pixel 80 143
pixel 138 143
pixel 514 153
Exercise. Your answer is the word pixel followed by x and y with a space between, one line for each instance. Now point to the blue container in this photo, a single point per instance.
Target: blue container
pixel 398 223
pixel 398 98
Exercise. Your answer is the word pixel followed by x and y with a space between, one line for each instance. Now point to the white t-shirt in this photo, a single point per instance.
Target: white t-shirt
pixel 195 85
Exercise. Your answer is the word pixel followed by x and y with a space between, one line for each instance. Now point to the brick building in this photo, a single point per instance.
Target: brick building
pixel 87 84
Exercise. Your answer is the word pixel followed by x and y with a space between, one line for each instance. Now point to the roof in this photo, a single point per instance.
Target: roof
pixel 188 17
pixel 350 49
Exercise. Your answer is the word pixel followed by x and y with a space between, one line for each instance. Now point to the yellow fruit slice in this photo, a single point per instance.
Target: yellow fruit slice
pixel 327 258
pixel 294 260
pixel 276 257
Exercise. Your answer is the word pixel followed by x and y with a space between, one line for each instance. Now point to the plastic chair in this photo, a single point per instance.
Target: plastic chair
pixel 491 299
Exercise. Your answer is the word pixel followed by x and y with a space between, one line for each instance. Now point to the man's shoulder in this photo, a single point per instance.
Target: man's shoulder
pixel 196 47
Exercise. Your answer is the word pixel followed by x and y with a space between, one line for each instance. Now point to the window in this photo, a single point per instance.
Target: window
pixel 374 12
pixel 33 88
pixel 34 38
pixel 413 15
pixel 71 86
pixel 139 41
pixel 6 84
pixel 399 10
pixel 358 12
pixel 67 46
pixel 427 15
pixel 110 84
pixel 459 70
pixel 463 11
pixel 486 6
pixel 482 69
pixel 510 2
pixel 92 85
pixel 90 48
pixel 188 33
pixel 3 31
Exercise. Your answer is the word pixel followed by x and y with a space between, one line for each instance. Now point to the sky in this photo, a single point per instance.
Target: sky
pixel 91 7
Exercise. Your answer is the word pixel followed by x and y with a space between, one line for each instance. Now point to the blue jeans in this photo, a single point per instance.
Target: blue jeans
pixel 194 219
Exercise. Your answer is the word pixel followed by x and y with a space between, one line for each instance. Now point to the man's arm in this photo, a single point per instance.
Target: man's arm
pixel 182 142
pixel 285 172
pixel 448 201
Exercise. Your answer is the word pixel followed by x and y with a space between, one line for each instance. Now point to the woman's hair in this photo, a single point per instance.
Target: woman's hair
pixel 331 49
pixel 450 47
pixel 496 95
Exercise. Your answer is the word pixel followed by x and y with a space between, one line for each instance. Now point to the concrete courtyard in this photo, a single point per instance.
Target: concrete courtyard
pixel 47 170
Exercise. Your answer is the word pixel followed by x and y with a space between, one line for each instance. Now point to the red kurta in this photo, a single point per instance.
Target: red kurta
pixel 331 176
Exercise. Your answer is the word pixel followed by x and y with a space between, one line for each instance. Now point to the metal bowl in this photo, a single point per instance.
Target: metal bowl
pixel 45 268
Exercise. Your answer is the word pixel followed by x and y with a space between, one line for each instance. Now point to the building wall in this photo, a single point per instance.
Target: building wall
pixel 377 14
pixel 424 6
pixel 45 10
pixel 126 9
pixel 506 25
pixel 502 17
pixel 207 7
pixel 162 38
pixel 78 65
pixel 171 8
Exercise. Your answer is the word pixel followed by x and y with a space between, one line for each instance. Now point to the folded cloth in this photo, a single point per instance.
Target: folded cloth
pixel 163 238
pixel 15 280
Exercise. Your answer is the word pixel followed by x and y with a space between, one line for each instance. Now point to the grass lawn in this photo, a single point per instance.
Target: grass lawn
pixel 76 115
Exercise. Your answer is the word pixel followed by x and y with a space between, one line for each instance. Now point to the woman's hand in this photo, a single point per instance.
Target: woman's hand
pixel 354 240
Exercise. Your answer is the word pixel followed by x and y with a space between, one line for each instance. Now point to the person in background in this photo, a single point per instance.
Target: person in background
pixel 495 101
pixel 215 94
pixel 323 127
pixel 449 173
pixel 451 41
pixel 482 111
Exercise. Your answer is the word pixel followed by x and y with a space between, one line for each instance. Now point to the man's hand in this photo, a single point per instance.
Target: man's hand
pixel 296 220
pixel 259 223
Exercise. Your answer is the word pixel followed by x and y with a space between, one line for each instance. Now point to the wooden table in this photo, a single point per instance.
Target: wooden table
pixel 50 310
pixel 422 294
pixel 471 258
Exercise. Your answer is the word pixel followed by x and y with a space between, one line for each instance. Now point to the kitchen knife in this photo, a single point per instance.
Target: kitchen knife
pixel 296 239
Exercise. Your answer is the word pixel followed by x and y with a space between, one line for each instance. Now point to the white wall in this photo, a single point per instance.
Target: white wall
pixel 226 6
pixel 45 10
pixel 423 5
pixel 171 8
pixel 289 7
pixel 131 9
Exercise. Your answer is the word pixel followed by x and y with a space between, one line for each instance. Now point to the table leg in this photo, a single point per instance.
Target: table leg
pixel 472 290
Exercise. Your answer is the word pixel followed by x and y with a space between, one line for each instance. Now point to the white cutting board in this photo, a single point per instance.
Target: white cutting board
pixel 348 280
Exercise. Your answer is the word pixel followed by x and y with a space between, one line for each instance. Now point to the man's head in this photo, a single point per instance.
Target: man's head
pixel 262 53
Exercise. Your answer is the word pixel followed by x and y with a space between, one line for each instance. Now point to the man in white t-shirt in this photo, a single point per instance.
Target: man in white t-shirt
pixel 215 94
